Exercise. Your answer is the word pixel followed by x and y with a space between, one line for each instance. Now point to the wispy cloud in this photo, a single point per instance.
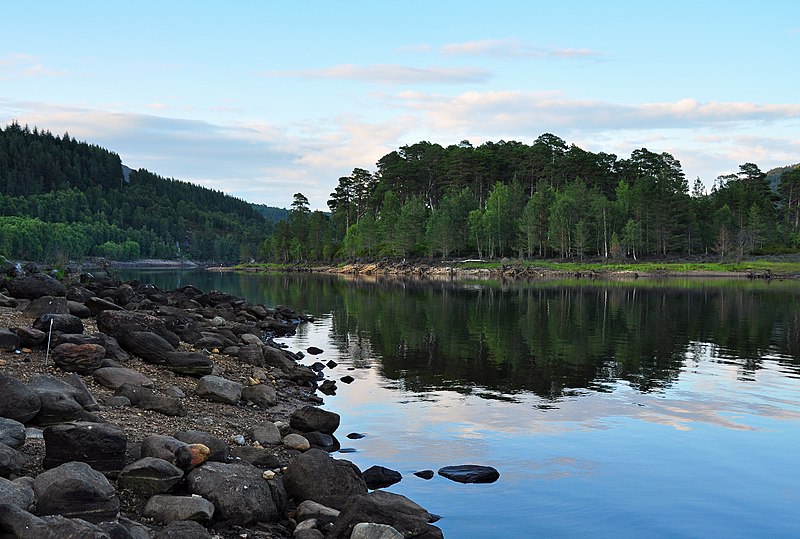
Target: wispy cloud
pixel 390 74
pixel 514 49
pixel 24 66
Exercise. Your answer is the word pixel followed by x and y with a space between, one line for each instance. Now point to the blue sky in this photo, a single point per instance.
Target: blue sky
pixel 264 99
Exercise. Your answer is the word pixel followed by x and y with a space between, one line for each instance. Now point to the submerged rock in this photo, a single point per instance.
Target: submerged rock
pixel 470 473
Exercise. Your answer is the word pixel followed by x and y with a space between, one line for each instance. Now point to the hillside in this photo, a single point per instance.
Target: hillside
pixel 62 199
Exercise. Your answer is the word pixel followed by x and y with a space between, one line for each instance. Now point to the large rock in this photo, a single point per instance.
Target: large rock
pixel 266 433
pixel 257 456
pixel 6 301
pixel 275 357
pixel 166 509
pixel 162 447
pixel 239 493
pixel 59 401
pixel 47 304
pixel 381 507
pixel 9 340
pixel 31 337
pixel 147 345
pixel 102 446
pixel 218 389
pixel 12 432
pixel 114 377
pixel 380 477
pixel 370 530
pixel 470 473
pixel 75 490
pixel 11 461
pixel 189 363
pixel 317 476
pixel 251 354
pixel 97 305
pixel 183 529
pixel 19 493
pixel 312 418
pixel 80 358
pixel 61 323
pixel 119 323
pixel 20 524
pixel 17 401
pixel 262 395
pixel 35 286
pixel 78 309
pixel 149 476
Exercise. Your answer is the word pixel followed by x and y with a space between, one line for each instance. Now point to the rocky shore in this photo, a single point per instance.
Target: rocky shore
pixel 127 411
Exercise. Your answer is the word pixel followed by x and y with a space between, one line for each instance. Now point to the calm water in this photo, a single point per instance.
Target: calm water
pixel 639 409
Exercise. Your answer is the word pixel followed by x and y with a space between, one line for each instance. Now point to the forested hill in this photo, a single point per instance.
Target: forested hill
pixel 62 199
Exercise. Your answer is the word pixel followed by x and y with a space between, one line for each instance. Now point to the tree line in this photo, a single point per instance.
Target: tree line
pixel 545 200
pixel 62 199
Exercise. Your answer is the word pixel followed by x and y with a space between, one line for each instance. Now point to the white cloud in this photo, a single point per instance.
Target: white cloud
pixel 513 48
pixel 390 74
pixel 14 66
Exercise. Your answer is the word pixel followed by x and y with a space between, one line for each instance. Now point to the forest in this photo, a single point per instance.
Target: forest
pixel 545 200
pixel 61 199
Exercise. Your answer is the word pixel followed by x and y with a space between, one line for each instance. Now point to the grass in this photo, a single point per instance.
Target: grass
pixel 650 267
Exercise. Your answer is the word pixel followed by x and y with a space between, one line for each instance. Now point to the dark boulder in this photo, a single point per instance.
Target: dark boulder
pixel 470 473
pixel 381 507
pixel 312 418
pixel 47 304
pixel 239 493
pixel 18 493
pixel 97 305
pixel 12 432
pixel 317 476
pixel 149 476
pixel 75 490
pixel 78 309
pixel 183 529
pixel 11 461
pixel 162 447
pixel 9 340
pixel 6 301
pixel 262 395
pixel 219 448
pixel 35 286
pixel 114 377
pixel 189 363
pixel 380 477
pixel 59 401
pixel 147 345
pixel 218 389
pixel 17 401
pixel 79 294
pixel 100 445
pixel 61 323
pixel 20 524
pixel 424 474
pixel 30 336
pixel 257 456
pixel 251 354
pixel 165 509
pixel 119 323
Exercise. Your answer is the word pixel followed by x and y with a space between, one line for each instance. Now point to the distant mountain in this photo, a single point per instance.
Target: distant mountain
pixel 271 213
pixel 62 199
pixel 774 175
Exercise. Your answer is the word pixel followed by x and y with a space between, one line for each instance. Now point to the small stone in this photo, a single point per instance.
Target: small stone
pixel 268 474
pixel 470 473
pixel 238 439
pixel 347 379
pixel 313 350
pixel 296 441
pixel 424 474
pixel 331 364
pixel 356 435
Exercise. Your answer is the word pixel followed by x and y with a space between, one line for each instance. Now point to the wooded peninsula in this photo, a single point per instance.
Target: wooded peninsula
pixel 61 199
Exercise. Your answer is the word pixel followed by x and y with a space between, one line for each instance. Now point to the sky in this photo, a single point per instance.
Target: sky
pixel 264 99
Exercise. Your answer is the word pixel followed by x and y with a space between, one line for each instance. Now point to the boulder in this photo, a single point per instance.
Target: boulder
pixel 30 336
pixel 257 456
pixel 162 447
pixel 35 286
pixel 381 507
pixel 115 377
pixel 9 340
pixel 100 445
pixel 239 493
pixel 323 441
pixel 80 358
pixel 312 418
pixel 163 404
pixel 189 363
pixel 380 477
pixel 6 301
pixel 251 354
pixel 75 490
pixel 17 401
pixel 165 509
pixel 82 395
pixel 11 461
pixel 97 305
pixel 275 357
pixel 18 493
pixel 310 509
pixel 370 530
pixel 313 350
pixel 266 433
pixel 317 476
pixel 47 304
pixel 218 389
pixel 147 345
pixel 61 323
pixel 183 529
pixel 78 309
pixel 149 476
pixel 12 432
pixel 219 448
pixel 191 456
pixel 59 401
pixel 79 294
pixel 262 395
pixel 21 524
pixel 119 323
pixel 424 474
pixel 296 441
pixel 470 473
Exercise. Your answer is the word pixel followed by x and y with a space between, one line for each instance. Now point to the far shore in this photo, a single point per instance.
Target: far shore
pixel 506 269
